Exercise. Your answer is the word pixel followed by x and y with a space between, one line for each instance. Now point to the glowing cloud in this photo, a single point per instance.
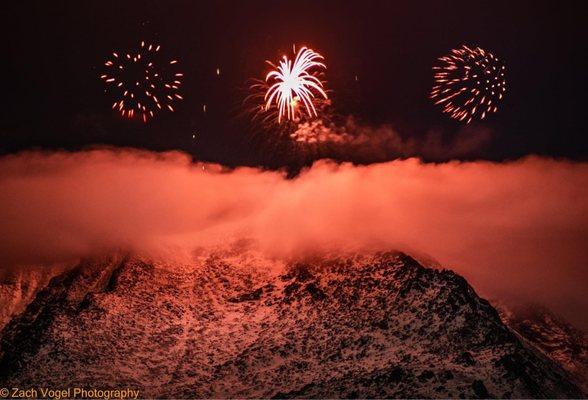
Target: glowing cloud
pixel 517 227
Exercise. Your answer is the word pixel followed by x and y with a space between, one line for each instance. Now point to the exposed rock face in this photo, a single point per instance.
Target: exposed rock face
pixel 235 324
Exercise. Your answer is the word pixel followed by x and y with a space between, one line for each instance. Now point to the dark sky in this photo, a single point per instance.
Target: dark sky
pixel 53 54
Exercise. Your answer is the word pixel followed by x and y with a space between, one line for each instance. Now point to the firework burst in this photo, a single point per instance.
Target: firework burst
pixel 142 82
pixel 293 83
pixel 469 84
pixel 283 108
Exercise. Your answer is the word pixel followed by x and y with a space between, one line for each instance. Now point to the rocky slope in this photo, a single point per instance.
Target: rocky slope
pixel 19 287
pixel 236 324
pixel 553 336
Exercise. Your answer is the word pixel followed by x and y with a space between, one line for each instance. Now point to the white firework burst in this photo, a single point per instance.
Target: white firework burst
pixel 294 82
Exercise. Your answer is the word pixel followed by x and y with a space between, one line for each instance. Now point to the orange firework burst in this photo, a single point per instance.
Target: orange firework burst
pixel 469 84
pixel 142 82
pixel 292 83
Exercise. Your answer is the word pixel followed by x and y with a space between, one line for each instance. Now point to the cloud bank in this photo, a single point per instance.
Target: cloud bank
pixel 512 229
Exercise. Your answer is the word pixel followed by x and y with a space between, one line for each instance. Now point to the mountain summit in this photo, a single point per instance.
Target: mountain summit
pixel 237 324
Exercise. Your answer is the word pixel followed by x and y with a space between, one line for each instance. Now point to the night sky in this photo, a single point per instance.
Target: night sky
pixel 53 54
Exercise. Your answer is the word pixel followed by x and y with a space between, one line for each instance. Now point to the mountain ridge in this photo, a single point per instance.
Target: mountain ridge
pixel 238 324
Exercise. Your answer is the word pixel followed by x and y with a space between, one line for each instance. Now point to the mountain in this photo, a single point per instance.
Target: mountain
pixel 235 323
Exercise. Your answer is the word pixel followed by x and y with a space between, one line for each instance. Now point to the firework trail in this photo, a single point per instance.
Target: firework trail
pixel 294 82
pixel 142 83
pixel 469 84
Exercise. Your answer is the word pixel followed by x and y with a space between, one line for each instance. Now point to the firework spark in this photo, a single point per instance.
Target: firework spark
pixel 292 83
pixel 469 84
pixel 142 83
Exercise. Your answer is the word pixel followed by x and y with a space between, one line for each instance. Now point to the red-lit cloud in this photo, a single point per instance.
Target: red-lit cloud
pixel 517 228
